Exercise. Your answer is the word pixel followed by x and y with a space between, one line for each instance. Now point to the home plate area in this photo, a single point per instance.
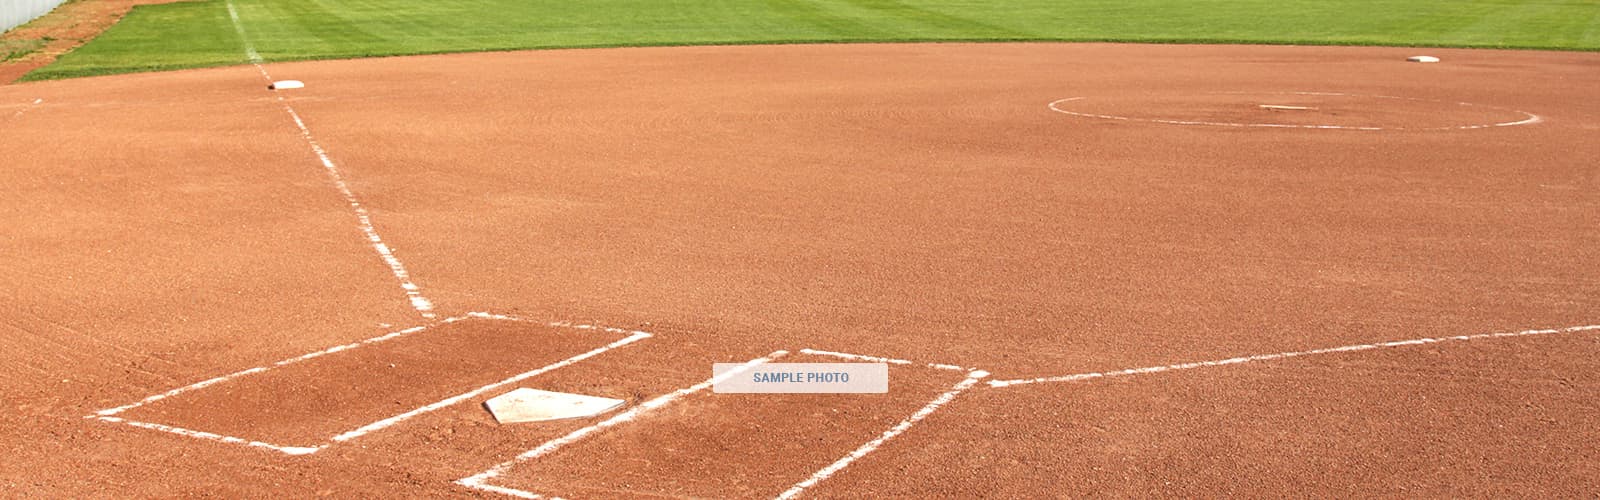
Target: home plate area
pixel 429 391
pixel 302 405
pixel 693 442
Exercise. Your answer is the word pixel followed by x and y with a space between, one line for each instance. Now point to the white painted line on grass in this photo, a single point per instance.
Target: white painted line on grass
pixel 876 359
pixel 381 424
pixel 479 481
pixel 249 47
pixel 1282 355
pixel 972 379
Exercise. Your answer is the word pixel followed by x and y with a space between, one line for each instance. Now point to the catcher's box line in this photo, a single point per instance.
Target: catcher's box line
pixel 110 414
pixel 1283 355
pixel 249 48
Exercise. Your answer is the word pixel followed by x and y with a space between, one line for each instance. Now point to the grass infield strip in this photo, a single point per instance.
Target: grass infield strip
pixel 199 34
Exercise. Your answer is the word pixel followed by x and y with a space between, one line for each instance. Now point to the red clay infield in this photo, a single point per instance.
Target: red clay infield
pixel 1030 210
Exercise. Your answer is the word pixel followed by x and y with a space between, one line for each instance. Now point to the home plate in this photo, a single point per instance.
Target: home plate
pixel 533 405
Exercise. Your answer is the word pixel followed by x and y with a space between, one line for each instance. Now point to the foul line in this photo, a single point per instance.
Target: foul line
pixel 413 292
pixel 972 379
pixel 1282 355
pixel 479 481
pixel 249 47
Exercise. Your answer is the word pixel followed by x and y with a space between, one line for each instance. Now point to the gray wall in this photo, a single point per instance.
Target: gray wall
pixel 14 13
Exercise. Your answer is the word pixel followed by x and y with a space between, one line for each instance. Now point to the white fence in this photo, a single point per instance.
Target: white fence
pixel 15 13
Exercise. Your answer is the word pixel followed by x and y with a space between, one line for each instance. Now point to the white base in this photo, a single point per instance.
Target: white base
pixel 1423 59
pixel 533 405
pixel 286 84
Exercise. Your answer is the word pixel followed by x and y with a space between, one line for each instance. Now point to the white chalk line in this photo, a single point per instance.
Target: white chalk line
pixel 1283 355
pixel 1529 118
pixel 108 415
pixel 388 422
pixel 287 450
pixel 413 292
pixel 482 486
pixel 363 217
pixel 26 107
pixel 877 359
pixel 261 369
pixel 249 47
pixel 561 324
pixel 972 379
pixel 479 480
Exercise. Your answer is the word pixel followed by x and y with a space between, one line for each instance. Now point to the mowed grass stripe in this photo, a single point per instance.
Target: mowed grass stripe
pixel 198 34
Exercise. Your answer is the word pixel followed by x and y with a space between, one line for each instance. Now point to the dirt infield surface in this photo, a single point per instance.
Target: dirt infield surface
pixel 331 261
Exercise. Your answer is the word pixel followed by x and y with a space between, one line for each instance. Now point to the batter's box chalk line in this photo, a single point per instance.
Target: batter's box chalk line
pixel 1078 377
pixel 111 415
pixel 481 481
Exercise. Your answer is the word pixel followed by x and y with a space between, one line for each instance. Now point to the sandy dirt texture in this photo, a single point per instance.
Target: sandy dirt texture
pixel 1031 210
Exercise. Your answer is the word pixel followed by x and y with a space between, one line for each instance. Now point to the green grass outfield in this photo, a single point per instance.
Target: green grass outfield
pixel 200 33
